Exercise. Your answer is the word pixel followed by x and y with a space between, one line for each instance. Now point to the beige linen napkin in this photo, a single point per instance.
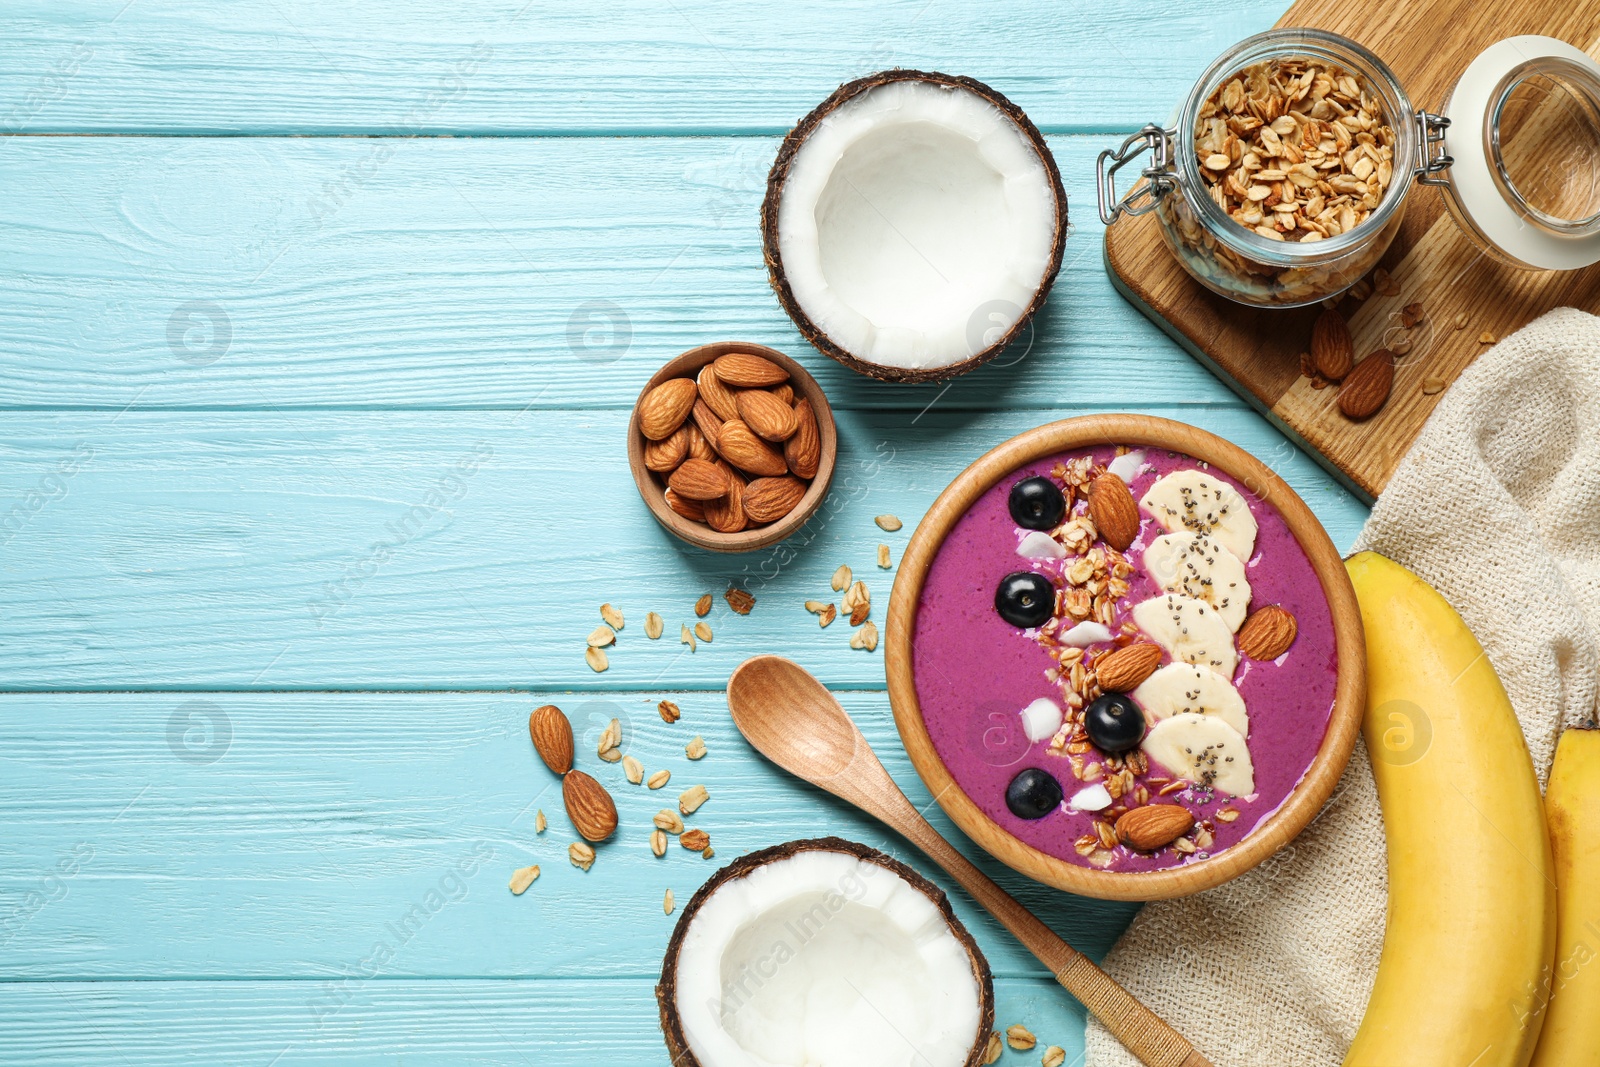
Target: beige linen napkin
pixel 1498 506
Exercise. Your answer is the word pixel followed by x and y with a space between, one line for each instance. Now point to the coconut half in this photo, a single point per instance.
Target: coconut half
pixel 913 224
pixel 823 953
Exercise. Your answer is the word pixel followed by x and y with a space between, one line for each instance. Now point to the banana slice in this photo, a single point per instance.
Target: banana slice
pixel 1198 565
pixel 1205 750
pixel 1199 502
pixel 1190 630
pixel 1183 688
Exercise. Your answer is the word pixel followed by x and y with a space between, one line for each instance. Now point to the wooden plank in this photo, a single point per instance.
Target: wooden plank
pixel 514 66
pixel 308 550
pixel 453 273
pixel 1256 351
pixel 231 835
pixel 513 1023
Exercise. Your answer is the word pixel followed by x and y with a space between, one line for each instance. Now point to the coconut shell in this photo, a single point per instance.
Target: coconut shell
pixel 780 174
pixel 666 992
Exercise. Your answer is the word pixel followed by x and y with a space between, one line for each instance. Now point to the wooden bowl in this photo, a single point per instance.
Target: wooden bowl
pixel 1349 690
pixel 653 491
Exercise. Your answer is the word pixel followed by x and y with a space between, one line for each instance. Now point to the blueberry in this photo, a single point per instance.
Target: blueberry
pixel 1114 723
pixel 1037 504
pixel 1033 794
pixel 1025 599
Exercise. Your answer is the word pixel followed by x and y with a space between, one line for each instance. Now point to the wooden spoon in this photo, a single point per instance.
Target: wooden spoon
pixel 794 721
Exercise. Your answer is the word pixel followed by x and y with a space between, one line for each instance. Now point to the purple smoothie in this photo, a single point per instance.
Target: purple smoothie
pixel 975 672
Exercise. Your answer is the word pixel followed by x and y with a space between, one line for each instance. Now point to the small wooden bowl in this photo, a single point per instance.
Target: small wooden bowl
pixel 650 487
pixel 1349 691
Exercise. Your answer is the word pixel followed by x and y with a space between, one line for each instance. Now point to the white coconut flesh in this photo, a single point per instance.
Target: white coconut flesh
pixel 821 959
pixel 916 224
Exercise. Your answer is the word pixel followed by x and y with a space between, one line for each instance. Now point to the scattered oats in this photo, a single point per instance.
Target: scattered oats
pixel 1412 314
pixel 692 799
pixel 865 638
pixel 1227 814
pixel 658 842
pixel 633 769
pixel 1486 338
pixel 828 615
pixel 1401 347
pixel 670 712
pixel 1054 1056
pixel 695 840
pixel 1432 385
pixel 659 779
pixel 702 630
pixel 610 742
pixel 686 637
pixel 994 1049
pixel 856 594
pixel 695 749
pixel 668 820
pixel 702 607
pixel 1183 845
pixel 1460 321
pixel 522 878
pixel 596 659
pixel 540 823
pixel 740 600
pixel 887 523
pixel 652 625
pixel 612 616
pixel 581 855
pixel 708 853
pixel 841 578
pixel 602 636
pixel 1385 283
pixel 667 903
pixel 883 556
pixel 1020 1037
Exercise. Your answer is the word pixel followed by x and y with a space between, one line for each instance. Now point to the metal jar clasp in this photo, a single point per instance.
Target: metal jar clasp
pixel 1157 174
pixel 1433 160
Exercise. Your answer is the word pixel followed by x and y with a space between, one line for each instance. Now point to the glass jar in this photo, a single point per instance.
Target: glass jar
pixel 1281 219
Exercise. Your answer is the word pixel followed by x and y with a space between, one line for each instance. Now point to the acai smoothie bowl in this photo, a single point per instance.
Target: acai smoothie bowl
pixel 1125 657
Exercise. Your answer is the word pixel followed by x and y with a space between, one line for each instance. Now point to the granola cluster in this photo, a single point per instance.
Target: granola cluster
pixel 1295 150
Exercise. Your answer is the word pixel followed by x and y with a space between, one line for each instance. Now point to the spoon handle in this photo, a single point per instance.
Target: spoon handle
pixel 1140 1030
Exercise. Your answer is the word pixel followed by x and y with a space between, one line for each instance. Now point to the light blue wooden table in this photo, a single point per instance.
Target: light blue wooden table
pixel 303 278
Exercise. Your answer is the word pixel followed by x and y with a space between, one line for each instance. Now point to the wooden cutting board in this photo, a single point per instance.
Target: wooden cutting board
pixel 1427 43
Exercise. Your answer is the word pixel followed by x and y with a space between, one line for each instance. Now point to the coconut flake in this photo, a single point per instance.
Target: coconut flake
pixel 1041 719
pixel 1093 798
pixel 916 223
pixel 1127 466
pixel 1085 634
pixel 1040 545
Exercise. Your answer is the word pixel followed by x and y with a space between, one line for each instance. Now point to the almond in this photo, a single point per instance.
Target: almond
pixel 698 480
pixel 1113 510
pixel 1267 633
pixel 1153 826
pixel 770 499
pixel 803 451
pixel 552 737
pixel 1122 671
pixel 1332 350
pixel 664 408
pixel 768 416
pixel 785 393
pixel 718 397
pixel 699 447
pixel 726 514
pixel 745 371
pixel 589 806
pixel 709 422
pixel 692 510
pixel 664 456
pixel 1367 388
pixel 740 446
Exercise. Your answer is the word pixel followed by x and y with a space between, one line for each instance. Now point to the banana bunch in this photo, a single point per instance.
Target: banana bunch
pixel 1467 957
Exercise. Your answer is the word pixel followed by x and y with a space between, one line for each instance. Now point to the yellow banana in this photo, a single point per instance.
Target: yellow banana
pixel 1571 1036
pixel 1471 915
